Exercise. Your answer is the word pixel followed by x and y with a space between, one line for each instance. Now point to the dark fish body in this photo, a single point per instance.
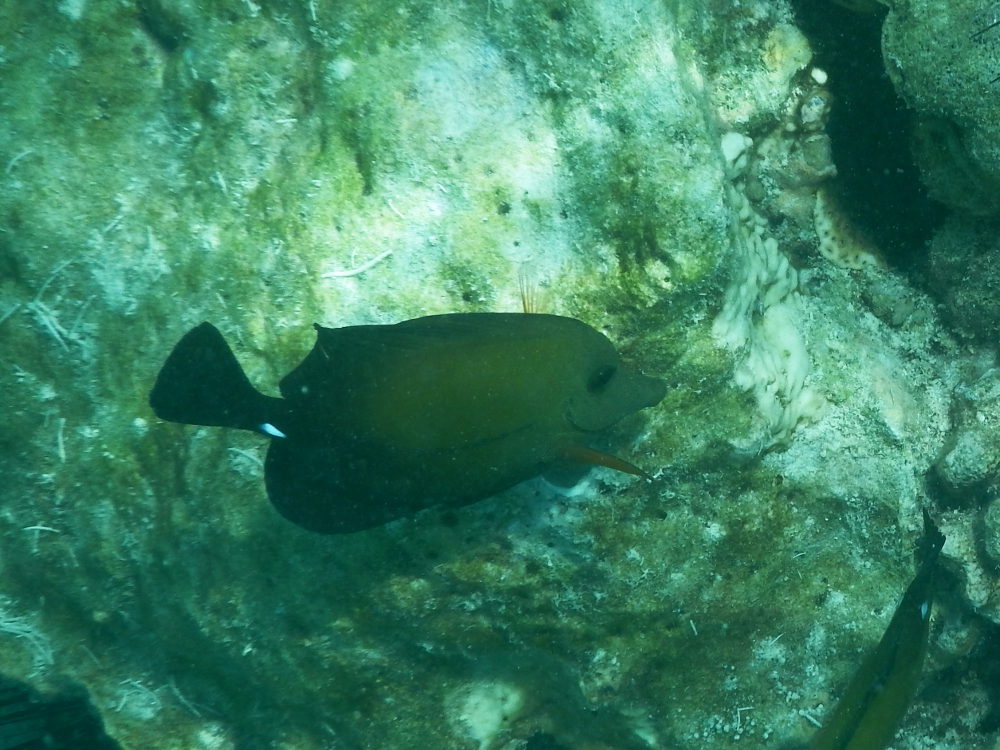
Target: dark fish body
pixel 878 695
pixel 380 421
pixel 66 721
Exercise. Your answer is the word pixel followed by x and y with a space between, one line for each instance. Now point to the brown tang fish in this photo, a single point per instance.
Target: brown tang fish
pixel 380 421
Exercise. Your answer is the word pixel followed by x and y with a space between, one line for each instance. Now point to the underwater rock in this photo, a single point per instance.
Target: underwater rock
pixel 967 479
pixel 971 459
pixel 942 60
pixel 268 165
pixel 962 272
pixel 991 531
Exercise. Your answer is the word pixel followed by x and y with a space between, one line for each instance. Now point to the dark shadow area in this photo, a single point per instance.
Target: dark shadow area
pixel 66 721
pixel 878 184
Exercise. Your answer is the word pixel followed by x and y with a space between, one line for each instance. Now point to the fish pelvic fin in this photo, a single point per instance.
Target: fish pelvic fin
pixel 202 383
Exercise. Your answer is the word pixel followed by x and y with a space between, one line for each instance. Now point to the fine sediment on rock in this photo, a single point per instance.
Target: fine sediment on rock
pixel 659 171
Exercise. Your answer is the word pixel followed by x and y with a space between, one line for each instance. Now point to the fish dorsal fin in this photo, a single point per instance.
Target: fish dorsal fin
pixel 448 330
pixel 528 291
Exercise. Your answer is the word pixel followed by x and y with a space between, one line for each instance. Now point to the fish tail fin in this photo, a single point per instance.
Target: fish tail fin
pixel 931 543
pixel 202 383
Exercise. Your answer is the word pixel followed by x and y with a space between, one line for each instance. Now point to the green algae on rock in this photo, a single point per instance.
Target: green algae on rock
pixel 267 165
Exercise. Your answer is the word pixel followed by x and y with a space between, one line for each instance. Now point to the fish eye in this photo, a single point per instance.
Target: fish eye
pixel 601 377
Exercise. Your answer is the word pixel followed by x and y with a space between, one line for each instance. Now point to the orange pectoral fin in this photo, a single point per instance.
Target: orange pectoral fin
pixel 585 455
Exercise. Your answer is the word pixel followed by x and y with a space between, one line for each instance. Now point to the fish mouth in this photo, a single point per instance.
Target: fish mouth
pixel 576 425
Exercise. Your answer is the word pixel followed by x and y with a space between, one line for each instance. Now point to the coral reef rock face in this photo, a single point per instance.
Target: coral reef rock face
pixel 942 60
pixel 656 170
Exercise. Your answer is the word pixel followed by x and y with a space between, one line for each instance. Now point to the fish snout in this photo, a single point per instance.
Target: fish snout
pixel 628 391
pixel 648 391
